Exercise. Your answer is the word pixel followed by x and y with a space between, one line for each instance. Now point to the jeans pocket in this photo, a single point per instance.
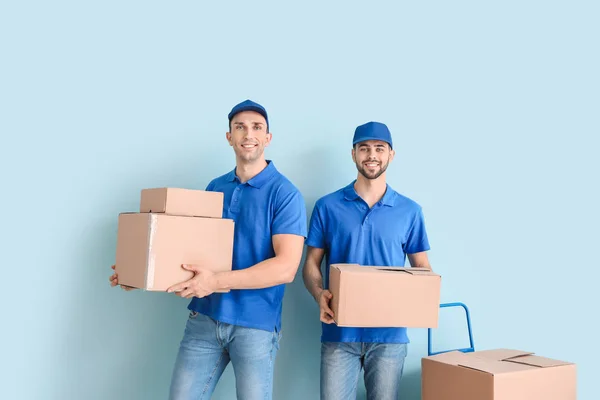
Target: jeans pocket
pixel 193 315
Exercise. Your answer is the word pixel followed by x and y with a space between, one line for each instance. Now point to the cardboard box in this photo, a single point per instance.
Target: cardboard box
pixel 184 202
pixel 366 296
pixel 152 247
pixel 496 375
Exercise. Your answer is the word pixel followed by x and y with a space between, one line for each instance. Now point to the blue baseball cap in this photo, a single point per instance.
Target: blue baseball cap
pixel 249 105
pixel 372 131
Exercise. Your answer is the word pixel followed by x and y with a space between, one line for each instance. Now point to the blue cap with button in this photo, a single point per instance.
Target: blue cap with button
pixel 249 105
pixel 372 131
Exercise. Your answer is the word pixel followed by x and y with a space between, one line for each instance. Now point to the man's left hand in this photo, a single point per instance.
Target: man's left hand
pixel 201 285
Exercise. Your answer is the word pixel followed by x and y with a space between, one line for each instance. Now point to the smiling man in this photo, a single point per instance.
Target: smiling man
pixel 243 325
pixel 366 223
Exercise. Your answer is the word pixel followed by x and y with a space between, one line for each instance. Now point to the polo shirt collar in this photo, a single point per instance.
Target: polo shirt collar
pixel 350 193
pixel 260 179
pixel 387 199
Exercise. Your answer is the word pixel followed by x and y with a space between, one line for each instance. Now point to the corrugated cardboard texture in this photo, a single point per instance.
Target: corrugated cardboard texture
pixel 152 247
pixel 365 296
pixel 442 381
pixel 497 375
pixel 183 202
pixel 334 287
pixel 132 249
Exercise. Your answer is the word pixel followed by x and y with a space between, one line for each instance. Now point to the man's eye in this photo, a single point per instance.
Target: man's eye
pixel 239 127
pixel 257 128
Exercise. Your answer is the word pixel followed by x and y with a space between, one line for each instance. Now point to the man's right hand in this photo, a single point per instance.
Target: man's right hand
pixel 324 300
pixel 114 281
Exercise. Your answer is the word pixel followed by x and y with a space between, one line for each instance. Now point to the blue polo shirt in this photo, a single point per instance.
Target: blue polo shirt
pixel 266 205
pixel 350 232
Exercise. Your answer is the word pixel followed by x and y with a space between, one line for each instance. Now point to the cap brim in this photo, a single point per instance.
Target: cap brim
pixel 364 139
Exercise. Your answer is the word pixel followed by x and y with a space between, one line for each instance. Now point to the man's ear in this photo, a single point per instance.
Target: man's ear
pixel 228 137
pixel 269 137
pixel 354 155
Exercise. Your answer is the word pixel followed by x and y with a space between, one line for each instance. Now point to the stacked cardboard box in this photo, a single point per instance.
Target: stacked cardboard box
pixel 367 296
pixel 497 375
pixel 174 227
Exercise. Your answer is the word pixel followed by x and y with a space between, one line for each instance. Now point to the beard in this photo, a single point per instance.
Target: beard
pixel 372 175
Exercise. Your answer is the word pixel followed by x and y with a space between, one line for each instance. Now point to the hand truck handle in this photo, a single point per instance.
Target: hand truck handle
pixel 466 350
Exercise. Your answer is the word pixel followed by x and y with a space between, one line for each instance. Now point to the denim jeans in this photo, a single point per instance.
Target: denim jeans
pixel 341 364
pixel 206 349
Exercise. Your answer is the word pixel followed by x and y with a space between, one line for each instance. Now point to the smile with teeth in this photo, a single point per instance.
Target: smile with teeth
pixel 248 146
pixel 372 164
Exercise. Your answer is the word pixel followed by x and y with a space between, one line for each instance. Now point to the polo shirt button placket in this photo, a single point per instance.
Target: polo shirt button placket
pixel 365 208
pixel 234 199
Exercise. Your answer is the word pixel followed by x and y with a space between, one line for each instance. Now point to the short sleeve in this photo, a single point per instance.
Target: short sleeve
pixel 316 236
pixel 416 239
pixel 290 215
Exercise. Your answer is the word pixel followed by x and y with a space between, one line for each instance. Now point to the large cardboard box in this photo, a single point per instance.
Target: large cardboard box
pixel 496 375
pixel 152 247
pixel 185 202
pixel 366 296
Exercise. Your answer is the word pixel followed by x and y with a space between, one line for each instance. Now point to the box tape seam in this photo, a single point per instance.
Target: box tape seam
pixel 151 256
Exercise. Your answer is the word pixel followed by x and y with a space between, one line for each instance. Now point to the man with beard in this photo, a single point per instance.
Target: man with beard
pixel 366 223
pixel 243 325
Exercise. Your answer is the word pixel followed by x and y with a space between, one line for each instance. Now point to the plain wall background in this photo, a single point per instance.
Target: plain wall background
pixel 494 109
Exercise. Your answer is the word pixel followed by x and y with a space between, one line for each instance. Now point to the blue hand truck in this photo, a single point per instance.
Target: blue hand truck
pixel 465 350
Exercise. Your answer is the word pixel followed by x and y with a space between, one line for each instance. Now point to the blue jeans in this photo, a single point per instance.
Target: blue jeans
pixel 206 349
pixel 341 364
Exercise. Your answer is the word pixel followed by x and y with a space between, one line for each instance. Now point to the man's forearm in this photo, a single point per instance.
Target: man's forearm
pixel 313 280
pixel 419 260
pixel 422 265
pixel 271 272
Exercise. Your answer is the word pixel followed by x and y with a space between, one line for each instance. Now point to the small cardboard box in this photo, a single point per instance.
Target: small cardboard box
pixel 152 247
pixel 184 202
pixel 366 296
pixel 496 375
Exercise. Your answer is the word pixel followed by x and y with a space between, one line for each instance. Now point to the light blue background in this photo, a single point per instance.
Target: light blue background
pixel 494 108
